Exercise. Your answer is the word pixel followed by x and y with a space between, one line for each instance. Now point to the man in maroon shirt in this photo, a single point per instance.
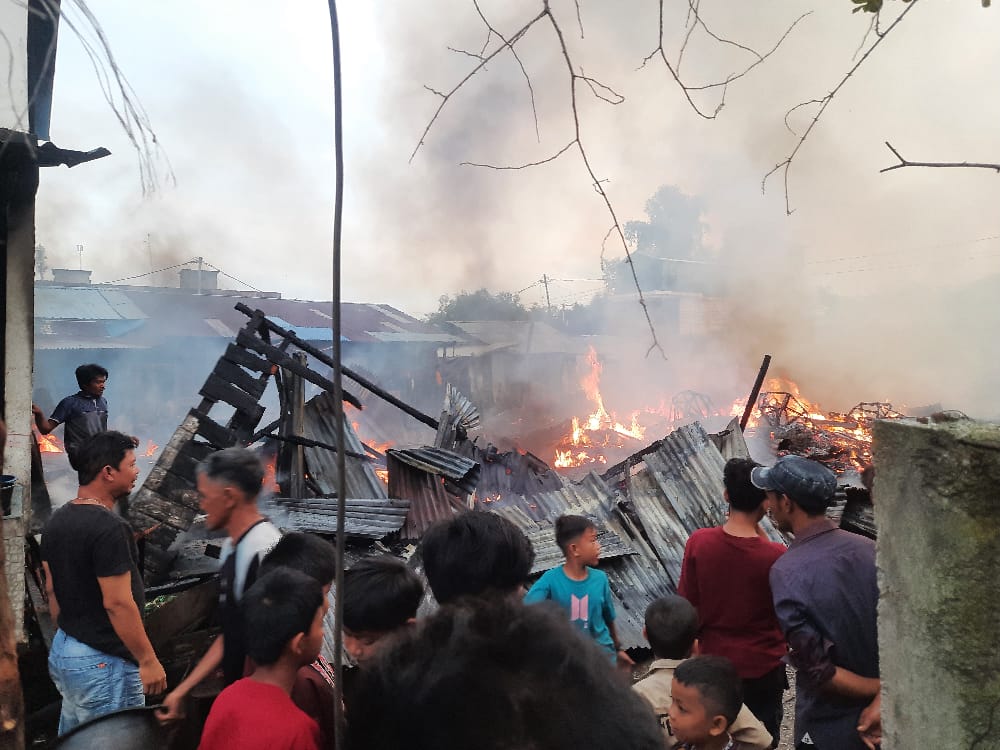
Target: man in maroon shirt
pixel 725 576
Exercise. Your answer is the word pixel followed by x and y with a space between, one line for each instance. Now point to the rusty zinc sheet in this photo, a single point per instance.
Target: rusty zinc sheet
pixel 320 425
pixel 371 518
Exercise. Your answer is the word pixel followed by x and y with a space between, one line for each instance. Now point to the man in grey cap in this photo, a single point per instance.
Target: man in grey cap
pixel 825 595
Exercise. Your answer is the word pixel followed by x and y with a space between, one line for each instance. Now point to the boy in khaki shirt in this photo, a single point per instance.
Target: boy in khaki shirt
pixel 671 626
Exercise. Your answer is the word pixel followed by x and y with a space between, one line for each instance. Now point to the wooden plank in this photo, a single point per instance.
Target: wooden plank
pixel 240 378
pixel 276 355
pixel 240 356
pixel 215 433
pixel 218 389
pixel 160 510
pixel 42 614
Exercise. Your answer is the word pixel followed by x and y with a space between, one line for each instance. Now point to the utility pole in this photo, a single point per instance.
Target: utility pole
pixel 199 273
pixel 548 303
pixel 79 249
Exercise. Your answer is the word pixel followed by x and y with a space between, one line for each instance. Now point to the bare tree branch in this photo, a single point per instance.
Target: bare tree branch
pixel 574 76
pixel 686 88
pixel 554 156
pixel 601 91
pixel 527 78
pixel 939 164
pixel 473 55
pixel 786 163
pixel 445 98
pixel 579 18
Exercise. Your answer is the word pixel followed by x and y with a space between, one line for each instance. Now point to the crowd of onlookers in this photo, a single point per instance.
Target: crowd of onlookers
pixel 493 666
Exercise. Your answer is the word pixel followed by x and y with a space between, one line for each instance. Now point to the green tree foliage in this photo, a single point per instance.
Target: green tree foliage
pixel 479 305
pixel 671 234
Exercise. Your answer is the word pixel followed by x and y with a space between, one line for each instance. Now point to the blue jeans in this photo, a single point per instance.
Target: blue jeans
pixel 91 683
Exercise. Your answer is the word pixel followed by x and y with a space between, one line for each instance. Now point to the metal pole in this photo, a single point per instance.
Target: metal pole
pixel 338 396
pixel 751 402
pixel 297 481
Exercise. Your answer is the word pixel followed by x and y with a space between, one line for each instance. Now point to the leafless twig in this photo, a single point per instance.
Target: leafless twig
pixel 446 97
pixel 786 163
pixel 945 164
pixel 694 19
pixel 527 78
pixel 503 168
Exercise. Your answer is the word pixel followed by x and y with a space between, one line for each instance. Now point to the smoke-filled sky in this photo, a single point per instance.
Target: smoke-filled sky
pixel 239 96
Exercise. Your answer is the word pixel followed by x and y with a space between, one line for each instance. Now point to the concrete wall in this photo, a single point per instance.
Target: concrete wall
pixel 13 542
pixel 937 504
pixel 14 97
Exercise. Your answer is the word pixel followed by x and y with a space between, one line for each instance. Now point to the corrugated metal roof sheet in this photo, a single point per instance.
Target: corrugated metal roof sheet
pixel 430 500
pixel 320 425
pixel 730 441
pixel 462 472
pixel 636 579
pixel 76 303
pixel 373 518
pixel 543 538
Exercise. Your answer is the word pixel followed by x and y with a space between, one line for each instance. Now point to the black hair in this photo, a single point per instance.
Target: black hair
pixel 306 553
pixel 87 374
pixel 276 608
pixel 736 479
pixel 103 449
pixel 236 466
pixel 671 627
pixel 716 679
pixel 475 553
pixel 380 594
pixel 494 674
pixel 569 529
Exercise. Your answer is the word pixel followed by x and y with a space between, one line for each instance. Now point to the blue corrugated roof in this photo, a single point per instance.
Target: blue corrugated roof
pixel 75 303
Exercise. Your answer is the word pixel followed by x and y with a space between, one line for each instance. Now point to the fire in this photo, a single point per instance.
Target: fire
pixel 798 425
pixel 599 430
pixel 151 449
pixel 49 443
pixel 383 474
pixel 271 475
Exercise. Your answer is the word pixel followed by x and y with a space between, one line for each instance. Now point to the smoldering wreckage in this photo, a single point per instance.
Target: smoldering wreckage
pixel 645 505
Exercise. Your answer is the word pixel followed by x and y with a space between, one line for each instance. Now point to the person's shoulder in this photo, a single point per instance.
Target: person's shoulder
pixel 597 576
pixel 262 537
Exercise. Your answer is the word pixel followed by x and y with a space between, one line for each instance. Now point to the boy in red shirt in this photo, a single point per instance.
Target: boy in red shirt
pixel 725 576
pixel 283 613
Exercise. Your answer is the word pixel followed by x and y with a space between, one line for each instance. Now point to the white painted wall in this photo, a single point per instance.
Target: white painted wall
pixel 13 65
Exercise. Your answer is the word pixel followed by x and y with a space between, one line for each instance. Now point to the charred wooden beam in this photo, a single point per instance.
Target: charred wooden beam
pixel 328 361
pixel 280 358
pixel 755 391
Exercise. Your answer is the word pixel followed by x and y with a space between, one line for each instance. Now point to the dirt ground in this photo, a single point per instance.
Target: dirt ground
pixel 788 722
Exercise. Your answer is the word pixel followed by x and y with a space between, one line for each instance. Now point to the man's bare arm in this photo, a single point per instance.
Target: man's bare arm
pixel 44 425
pixel 847 684
pixel 173 701
pixel 127 623
pixel 51 593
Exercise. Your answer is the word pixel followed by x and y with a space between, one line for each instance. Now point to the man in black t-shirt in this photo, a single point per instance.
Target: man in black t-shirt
pixel 101 659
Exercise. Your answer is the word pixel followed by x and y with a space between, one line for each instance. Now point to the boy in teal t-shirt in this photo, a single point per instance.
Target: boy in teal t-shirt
pixel 579 587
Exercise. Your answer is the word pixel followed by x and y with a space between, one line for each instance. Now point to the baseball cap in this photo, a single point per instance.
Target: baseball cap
pixel 810 484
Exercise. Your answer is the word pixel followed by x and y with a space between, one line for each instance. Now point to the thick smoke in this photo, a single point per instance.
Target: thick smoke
pixel 254 170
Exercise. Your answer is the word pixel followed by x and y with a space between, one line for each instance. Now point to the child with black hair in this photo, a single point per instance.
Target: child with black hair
pixel 381 596
pixel 313 689
pixel 671 626
pixel 707 698
pixel 491 674
pixel 283 612
pixel 476 554
pixel 579 587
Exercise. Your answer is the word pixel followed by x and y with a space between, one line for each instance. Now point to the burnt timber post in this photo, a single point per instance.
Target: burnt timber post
pixel 938 511
pixel 298 412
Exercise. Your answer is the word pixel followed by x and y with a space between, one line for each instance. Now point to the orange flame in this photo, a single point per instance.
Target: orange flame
pixel 600 429
pixel 151 449
pixel 49 443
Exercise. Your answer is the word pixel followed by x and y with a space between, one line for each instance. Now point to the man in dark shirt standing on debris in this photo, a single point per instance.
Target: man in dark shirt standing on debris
pixel 825 595
pixel 84 413
pixel 101 659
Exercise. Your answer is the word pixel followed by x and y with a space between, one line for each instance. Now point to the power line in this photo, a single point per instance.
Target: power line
pixel 910 251
pixel 150 273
